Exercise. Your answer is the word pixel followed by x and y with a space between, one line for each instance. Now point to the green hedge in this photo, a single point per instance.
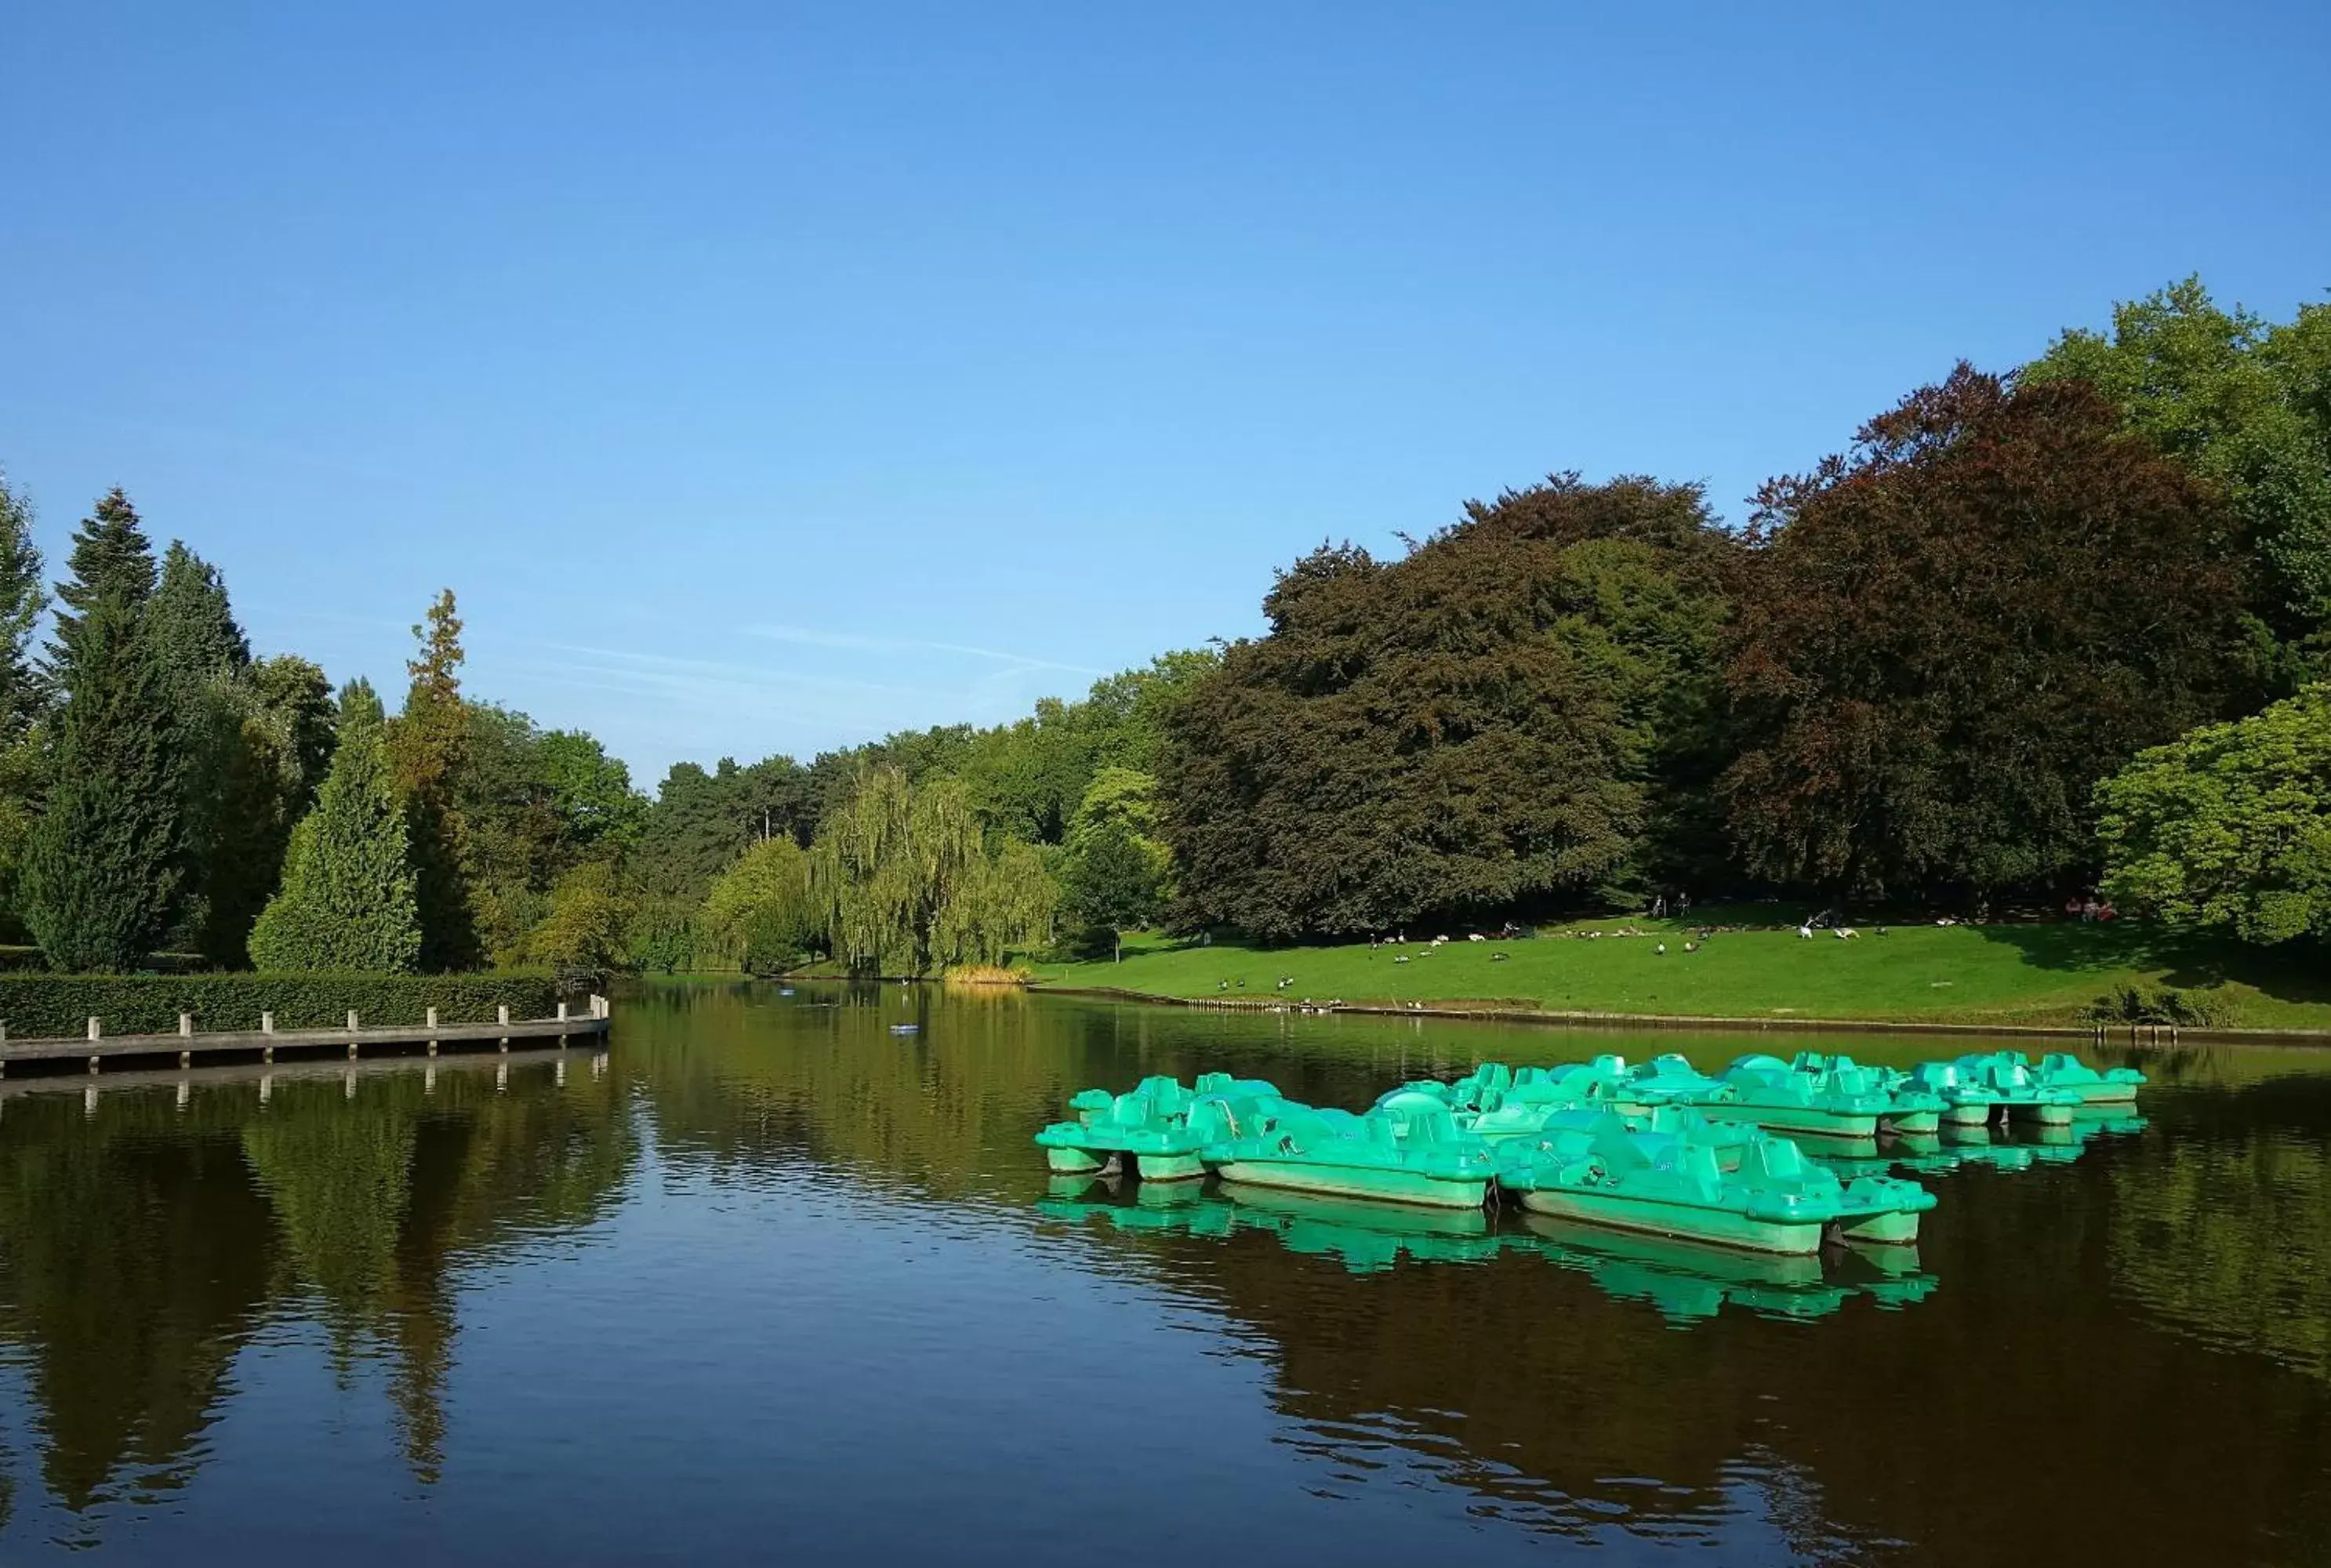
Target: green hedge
pixel 54 1006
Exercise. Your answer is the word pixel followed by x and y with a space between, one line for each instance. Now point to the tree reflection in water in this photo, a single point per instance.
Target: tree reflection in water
pixel 142 1241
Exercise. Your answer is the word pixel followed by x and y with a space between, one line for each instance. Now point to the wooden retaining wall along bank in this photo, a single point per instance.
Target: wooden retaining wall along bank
pixel 96 1048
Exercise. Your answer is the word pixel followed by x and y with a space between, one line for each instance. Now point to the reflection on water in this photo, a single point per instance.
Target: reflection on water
pixel 144 1238
pixel 768 1261
pixel 1685 1282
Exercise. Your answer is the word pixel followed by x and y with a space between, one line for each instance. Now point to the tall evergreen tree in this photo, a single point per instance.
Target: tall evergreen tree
pixel 22 600
pixel 349 899
pixel 110 555
pixel 427 747
pixel 230 807
pixel 102 868
pixel 24 696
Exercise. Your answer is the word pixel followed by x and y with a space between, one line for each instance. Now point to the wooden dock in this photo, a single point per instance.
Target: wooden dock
pixel 96 1048
pixel 265 1077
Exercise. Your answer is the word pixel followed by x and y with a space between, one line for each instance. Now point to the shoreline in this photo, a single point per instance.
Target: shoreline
pixel 2137 1033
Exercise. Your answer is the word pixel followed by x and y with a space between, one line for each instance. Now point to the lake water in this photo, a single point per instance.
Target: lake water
pixel 768 1282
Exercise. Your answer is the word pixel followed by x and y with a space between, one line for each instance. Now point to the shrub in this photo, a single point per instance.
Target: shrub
pixel 50 1006
pixel 2157 1004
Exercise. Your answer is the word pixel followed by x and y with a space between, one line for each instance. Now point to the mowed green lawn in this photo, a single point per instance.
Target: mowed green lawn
pixel 1959 974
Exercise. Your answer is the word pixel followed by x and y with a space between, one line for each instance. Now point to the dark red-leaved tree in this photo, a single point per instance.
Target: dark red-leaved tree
pixel 1497 722
pixel 1951 633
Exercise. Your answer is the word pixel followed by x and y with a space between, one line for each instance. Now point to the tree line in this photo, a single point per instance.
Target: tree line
pixel 2031 633
pixel 2058 629
pixel 166 796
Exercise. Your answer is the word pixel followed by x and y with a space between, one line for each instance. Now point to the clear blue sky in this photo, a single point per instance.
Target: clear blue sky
pixel 765 377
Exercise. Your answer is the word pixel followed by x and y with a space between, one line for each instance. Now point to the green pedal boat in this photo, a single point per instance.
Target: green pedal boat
pixel 1396 1154
pixel 1497 1104
pixel 1154 1124
pixel 2115 1085
pixel 2007 1078
pixel 1778 1200
pixel 1730 1140
pixel 1914 1108
pixel 1671 1080
pixel 1966 1102
pixel 1769 1092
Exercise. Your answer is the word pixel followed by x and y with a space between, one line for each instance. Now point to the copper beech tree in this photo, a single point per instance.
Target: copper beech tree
pixel 1951 633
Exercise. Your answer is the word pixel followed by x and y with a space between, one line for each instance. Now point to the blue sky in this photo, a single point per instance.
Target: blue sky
pixel 766 377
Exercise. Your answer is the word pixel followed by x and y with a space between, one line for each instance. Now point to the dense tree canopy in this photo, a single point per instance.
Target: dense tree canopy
pixel 1476 728
pixel 2245 403
pixel 1950 635
pixel 2230 828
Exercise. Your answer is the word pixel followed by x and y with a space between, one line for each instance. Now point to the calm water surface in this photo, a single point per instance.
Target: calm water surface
pixel 767 1282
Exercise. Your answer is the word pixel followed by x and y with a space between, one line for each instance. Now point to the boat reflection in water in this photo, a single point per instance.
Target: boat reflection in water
pixel 1685 1282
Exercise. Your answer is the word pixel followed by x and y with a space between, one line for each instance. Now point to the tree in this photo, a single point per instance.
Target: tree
pixel 590 920
pixel 2246 404
pixel 205 661
pixel 350 898
pixel 194 627
pixel 760 915
pixel 1476 728
pixel 1006 900
pixel 428 748
pixel 902 881
pixel 535 805
pixel 1114 883
pixel 111 559
pixel 1129 711
pixel 2230 828
pixel 1951 635
pixel 104 862
pixel 24 696
pixel 701 822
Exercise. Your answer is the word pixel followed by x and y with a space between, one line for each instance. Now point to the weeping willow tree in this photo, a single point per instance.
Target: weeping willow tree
pixel 905 884
pixel 761 916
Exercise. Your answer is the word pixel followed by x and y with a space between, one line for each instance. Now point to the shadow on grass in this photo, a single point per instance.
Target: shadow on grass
pixel 2296 971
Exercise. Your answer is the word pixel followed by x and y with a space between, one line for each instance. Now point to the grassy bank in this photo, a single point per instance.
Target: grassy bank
pixel 2004 973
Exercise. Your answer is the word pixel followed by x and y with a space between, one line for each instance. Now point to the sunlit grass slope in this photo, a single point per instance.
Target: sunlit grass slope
pixel 1957 974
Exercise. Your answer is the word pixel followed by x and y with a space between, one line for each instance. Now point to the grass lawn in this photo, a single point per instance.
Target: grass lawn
pixel 2000 973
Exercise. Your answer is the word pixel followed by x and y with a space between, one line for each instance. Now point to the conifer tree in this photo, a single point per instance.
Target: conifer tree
pixel 348 896
pixel 427 747
pixel 102 867
pixel 22 600
pixel 230 807
pixel 24 696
